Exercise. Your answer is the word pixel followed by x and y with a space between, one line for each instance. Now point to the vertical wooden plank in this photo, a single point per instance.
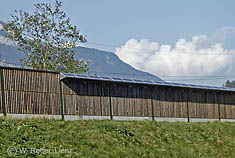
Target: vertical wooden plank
pixel 148 96
pixel 156 102
pixel 73 105
pixel 81 98
pixel 205 105
pixel 31 108
pixel 119 100
pixel 187 93
pixel 105 100
pixel 226 116
pixel 175 102
pixel 61 100
pixel 43 103
pixel 135 104
pixel 3 93
pixel 169 102
pixel 138 102
pixel 95 98
pixel 90 99
pixel 113 100
pixel 218 102
pixel 215 105
pixel 49 103
pixel 229 106
pixel 172 102
pixel 152 104
pixel 147 102
pixel 7 100
pixel 222 106
pixel 142 102
pixel 166 111
pixel 32 103
pixel 127 101
pixel 102 107
pixel 110 103
pixel 25 103
pixel 233 104
pixel 209 105
pixel 98 99
pixel 179 111
pixel 191 104
pixel 164 106
pixel 16 102
pixel 131 100
pixel 198 107
pixel 0 99
pixel 86 99
pixel 182 104
pixel 161 102
pixel 123 95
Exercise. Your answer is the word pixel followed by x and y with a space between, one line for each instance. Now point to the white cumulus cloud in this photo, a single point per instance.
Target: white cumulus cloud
pixel 197 57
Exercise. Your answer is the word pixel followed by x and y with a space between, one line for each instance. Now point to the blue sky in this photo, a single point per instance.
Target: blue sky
pixel 160 22
pixel 114 22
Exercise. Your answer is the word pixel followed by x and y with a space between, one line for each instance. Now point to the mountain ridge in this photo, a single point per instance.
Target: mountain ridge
pixel 100 62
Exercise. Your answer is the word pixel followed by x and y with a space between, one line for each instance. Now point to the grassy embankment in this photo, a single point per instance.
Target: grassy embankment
pixel 105 138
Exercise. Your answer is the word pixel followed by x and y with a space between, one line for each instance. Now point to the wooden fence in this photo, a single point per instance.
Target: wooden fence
pixel 31 92
pixel 38 92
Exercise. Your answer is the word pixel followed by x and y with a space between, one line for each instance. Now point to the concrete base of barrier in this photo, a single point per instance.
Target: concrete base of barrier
pixel 83 117
pixel 227 120
pixel 170 119
pixel 202 120
pixel 56 117
pixel 131 118
pixel 29 116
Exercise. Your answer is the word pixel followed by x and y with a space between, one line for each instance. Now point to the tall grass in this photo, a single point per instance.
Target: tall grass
pixel 106 138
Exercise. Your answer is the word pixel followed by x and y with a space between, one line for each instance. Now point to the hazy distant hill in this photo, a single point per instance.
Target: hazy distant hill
pixel 100 62
pixel 110 64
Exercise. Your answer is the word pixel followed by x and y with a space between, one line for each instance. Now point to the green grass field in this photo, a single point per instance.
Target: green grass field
pixel 106 138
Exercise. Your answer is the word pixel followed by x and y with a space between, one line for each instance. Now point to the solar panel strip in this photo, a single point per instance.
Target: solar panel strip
pixel 117 79
pixel 94 77
pixel 106 78
pixel 148 82
pixel 160 83
pixel 82 76
pixel 129 80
